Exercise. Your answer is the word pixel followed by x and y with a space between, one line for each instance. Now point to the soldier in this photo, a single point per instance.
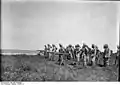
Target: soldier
pixel 67 51
pixel 49 47
pixel 94 54
pixel 45 49
pixel 73 54
pixel 77 52
pixel 118 55
pixel 85 54
pixel 70 51
pixel 61 50
pixel 118 58
pixel 98 56
pixel 49 50
pixel 54 49
pixel 107 54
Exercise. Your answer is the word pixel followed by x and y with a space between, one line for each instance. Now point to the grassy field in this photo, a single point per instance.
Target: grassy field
pixel 37 68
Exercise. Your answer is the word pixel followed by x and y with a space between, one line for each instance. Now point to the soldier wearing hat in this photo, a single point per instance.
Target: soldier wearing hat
pixel 49 47
pixel 54 49
pixel 85 53
pixel 107 54
pixel 61 50
pixel 70 50
pixel 45 53
pixel 49 50
pixel 118 55
pixel 94 54
pixel 77 52
pixel 118 50
pixel 118 58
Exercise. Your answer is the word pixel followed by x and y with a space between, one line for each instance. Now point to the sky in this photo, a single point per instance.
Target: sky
pixel 32 24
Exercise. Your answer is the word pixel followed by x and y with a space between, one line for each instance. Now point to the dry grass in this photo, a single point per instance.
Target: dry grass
pixel 37 68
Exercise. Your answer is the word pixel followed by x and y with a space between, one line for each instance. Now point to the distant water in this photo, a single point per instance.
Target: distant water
pixel 14 51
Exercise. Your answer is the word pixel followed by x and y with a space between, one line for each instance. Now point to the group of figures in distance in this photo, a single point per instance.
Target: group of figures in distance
pixel 85 54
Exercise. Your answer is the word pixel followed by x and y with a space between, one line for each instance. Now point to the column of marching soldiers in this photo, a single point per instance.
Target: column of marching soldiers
pixel 85 54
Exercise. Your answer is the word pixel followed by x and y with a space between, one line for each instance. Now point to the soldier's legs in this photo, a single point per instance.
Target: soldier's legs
pixel 116 61
pixel 53 56
pixel 77 57
pixel 71 56
pixel 108 61
pixel 93 61
pixel 59 59
pixel 96 60
pixel 47 55
pixel 105 61
pixel 88 58
pixel 85 60
pixel 50 56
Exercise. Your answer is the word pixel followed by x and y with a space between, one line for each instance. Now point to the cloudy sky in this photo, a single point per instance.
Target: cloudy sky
pixel 31 24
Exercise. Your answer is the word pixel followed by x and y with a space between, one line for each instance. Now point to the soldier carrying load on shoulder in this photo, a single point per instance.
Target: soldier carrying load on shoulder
pixel 107 54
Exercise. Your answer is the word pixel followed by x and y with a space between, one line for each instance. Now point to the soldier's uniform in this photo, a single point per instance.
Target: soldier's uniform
pixel 70 50
pixel 49 49
pixel 67 51
pixel 107 54
pixel 98 56
pixel 118 56
pixel 54 49
pixel 85 54
pixel 45 53
pixel 77 52
pixel 94 54
pixel 61 50
pixel 117 60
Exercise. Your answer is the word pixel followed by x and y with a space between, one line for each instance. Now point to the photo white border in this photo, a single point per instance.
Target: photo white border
pixel 79 82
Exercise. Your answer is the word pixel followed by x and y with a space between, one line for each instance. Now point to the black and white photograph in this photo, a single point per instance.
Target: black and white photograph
pixel 60 40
